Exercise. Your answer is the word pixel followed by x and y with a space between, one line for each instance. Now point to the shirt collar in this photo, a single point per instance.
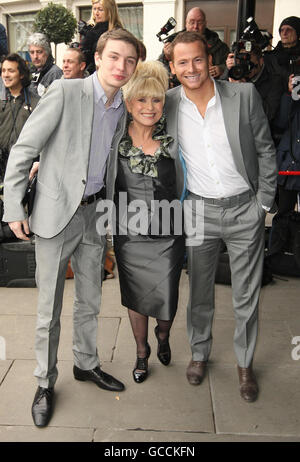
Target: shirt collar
pixel 214 100
pixel 99 93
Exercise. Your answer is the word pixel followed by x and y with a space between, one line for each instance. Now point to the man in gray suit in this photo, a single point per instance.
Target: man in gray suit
pixel 223 135
pixel 71 130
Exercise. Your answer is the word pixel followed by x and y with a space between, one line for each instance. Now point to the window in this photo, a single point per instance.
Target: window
pixel 19 29
pixel 220 33
pixel 131 16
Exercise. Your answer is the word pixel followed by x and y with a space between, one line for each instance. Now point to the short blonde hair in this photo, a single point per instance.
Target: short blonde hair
pixel 149 79
pixel 111 14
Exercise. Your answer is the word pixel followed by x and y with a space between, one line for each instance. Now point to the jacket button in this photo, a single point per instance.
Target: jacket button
pixel 83 181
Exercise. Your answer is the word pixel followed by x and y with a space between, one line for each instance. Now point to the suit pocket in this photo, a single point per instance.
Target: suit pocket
pixel 43 189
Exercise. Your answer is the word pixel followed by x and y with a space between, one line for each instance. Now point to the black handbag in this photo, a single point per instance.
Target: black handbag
pixel 29 196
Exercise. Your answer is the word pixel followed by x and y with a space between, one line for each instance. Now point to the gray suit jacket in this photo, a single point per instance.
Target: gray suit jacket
pixel 248 134
pixel 59 130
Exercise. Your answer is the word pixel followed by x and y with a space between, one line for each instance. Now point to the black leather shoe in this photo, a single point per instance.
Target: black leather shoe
pixel 163 349
pixel 140 372
pixel 100 378
pixel 42 406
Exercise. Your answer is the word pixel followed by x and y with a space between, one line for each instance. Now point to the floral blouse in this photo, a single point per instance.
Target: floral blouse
pixel 142 163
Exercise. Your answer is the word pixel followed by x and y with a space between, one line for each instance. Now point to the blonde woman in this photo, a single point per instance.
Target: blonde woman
pixel 104 17
pixel 149 262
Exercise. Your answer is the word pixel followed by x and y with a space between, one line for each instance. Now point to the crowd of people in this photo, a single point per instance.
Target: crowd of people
pixel 181 131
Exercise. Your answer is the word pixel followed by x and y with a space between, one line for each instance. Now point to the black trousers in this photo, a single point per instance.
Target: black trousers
pixel 287 199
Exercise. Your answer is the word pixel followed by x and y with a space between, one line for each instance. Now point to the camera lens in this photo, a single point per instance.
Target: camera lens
pixel 237 72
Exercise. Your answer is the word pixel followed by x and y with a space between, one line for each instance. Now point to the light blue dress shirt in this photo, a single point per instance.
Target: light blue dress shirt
pixel 104 125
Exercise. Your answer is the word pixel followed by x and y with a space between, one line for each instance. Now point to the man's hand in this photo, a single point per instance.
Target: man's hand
pixel 215 71
pixel 230 61
pixel 34 170
pixel 290 84
pixel 20 229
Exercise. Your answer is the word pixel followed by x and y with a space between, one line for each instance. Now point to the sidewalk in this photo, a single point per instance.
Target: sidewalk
pixel 165 408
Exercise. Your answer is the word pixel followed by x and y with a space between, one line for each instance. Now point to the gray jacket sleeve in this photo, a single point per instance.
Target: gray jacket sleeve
pixel 33 138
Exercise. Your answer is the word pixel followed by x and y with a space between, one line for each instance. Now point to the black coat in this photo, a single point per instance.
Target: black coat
pixel 89 44
pixel 270 89
pixel 289 120
pixel 279 60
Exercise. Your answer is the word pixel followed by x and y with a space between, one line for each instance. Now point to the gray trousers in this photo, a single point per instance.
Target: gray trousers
pixel 239 222
pixel 80 242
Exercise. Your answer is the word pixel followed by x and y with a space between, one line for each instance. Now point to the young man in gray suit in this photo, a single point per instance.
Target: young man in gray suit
pixel 71 129
pixel 223 134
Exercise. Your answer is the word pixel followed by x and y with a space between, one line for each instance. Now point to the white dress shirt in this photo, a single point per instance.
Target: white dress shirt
pixel 211 171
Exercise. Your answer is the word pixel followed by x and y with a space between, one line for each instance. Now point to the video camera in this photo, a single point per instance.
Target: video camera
pixel 170 24
pixel 251 36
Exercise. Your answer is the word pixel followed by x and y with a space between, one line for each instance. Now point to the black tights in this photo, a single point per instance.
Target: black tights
pixel 139 325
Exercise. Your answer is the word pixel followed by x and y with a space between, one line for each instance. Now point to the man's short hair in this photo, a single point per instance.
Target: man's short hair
pixel 22 67
pixel 39 40
pixel 118 34
pixel 81 57
pixel 188 37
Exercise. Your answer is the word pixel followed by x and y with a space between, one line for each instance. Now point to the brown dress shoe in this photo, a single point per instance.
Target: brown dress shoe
pixel 248 384
pixel 196 371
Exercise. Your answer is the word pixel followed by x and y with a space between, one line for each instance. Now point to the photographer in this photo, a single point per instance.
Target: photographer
pixel 252 68
pixel 288 151
pixel 287 52
pixel 16 104
pixel 196 22
pixel 44 70
pixel 104 17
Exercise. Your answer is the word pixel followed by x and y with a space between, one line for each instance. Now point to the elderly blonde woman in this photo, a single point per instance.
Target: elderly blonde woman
pixel 104 16
pixel 149 259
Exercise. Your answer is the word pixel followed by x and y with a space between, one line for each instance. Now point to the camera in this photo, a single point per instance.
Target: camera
pixel 251 36
pixel 170 24
pixel 244 65
pixel 254 34
pixel 83 28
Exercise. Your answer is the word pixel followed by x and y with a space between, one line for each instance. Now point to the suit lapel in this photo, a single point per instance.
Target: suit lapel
pixel 230 101
pixel 171 111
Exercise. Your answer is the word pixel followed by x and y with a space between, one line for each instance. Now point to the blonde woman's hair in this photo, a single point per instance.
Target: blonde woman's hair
pixel 111 14
pixel 149 79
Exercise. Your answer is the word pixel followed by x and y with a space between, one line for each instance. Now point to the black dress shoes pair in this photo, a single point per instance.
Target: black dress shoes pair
pixel 43 403
pixel 163 348
pixel 140 371
pixel 42 406
pixel 100 378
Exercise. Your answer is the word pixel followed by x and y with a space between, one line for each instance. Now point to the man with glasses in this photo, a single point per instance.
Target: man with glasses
pixel 218 50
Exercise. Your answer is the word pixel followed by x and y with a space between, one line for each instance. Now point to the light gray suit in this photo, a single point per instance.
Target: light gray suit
pixel 60 132
pixel 238 221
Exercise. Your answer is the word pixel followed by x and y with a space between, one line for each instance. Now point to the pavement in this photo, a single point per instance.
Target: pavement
pixel 165 408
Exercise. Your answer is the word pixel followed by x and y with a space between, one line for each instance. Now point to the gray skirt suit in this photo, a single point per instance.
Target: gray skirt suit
pixel 149 261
